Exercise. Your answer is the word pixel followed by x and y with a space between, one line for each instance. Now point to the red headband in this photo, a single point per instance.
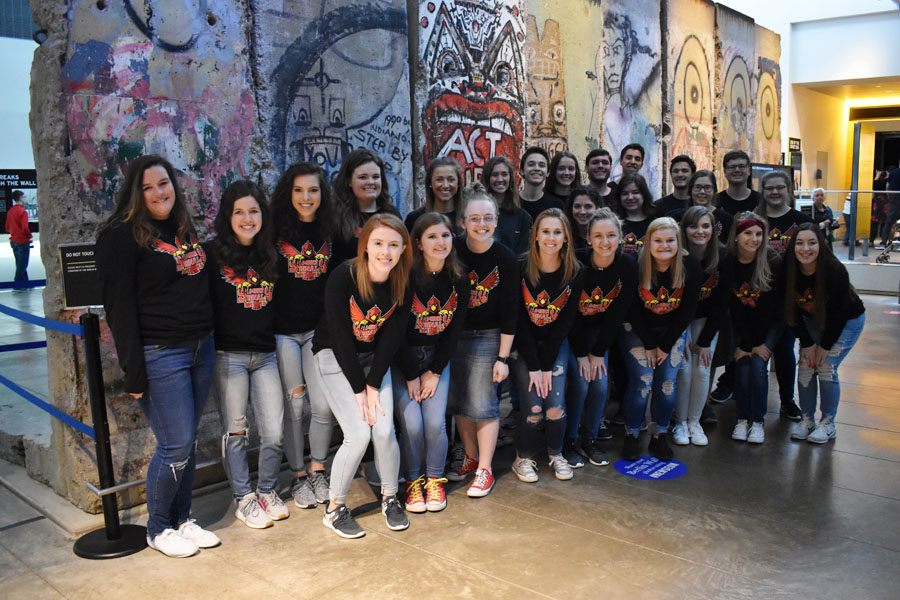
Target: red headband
pixel 748 223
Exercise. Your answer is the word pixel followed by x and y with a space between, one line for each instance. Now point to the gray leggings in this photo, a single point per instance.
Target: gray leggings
pixel 357 433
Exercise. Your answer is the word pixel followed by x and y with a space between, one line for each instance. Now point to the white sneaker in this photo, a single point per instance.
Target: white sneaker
pixel 823 432
pixel 273 505
pixel 561 468
pixel 740 431
pixel 757 434
pixel 203 538
pixel 251 513
pixel 173 544
pixel 524 468
pixel 801 430
pixel 680 435
pixel 698 436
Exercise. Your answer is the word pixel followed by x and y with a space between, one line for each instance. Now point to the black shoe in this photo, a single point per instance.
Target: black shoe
pixel 660 449
pixel 631 449
pixel 604 433
pixel 619 417
pixel 791 411
pixel 708 416
pixel 591 451
pixel 342 522
pixel 570 453
pixel 394 514
pixel 721 394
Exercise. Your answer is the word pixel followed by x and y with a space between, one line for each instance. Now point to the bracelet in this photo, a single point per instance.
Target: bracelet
pixel 502 359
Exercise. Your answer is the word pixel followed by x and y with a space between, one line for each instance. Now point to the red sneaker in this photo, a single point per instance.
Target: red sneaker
pixel 469 464
pixel 415 501
pixel 436 499
pixel 483 484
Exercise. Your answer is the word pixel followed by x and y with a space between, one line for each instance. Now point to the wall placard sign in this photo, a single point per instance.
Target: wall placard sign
pixel 651 468
pixel 81 281
pixel 793 144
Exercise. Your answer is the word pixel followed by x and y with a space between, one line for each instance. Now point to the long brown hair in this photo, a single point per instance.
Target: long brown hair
pixel 399 275
pixel 646 264
pixel 349 214
pixel 825 261
pixel 444 161
pixel 262 249
pixel 762 271
pixel 691 218
pixel 510 202
pixel 569 262
pixel 451 263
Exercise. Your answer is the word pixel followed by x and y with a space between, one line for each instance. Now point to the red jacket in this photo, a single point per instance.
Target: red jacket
pixel 17 224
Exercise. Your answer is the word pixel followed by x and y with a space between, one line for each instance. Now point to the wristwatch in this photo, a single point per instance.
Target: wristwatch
pixel 502 359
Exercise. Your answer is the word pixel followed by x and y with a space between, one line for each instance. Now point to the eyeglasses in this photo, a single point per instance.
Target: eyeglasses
pixel 703 188
pixel 477 219
pixel 774 188
pixel 737 167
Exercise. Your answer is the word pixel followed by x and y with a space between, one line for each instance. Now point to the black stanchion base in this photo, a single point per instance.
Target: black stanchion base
pixel 94 545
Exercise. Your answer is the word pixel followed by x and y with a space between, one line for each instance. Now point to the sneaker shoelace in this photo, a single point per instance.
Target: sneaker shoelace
pixel 414 491
pixel 528 465
pixel 434 488
pixel 482 478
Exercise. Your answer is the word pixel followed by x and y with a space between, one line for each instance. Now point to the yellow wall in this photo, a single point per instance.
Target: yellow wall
pixel 820 121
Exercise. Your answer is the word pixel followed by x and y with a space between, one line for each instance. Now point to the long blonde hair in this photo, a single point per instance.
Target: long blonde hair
pixel 762 273
pixel 646 264
pixel 399 276
pixel 569 262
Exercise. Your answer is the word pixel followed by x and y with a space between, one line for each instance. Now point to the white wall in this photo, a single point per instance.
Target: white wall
pixel 15 103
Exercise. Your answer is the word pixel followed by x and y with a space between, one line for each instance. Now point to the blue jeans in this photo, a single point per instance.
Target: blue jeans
pixel 21 253
pixel 253 376
pixel 751 382
pixel 473 394
pixel 648 384
pixel 178 382
pixel 536 410
pixel 422 425
pixel 826 376
pixel 785 362
pixel 298 369
pixel 587 397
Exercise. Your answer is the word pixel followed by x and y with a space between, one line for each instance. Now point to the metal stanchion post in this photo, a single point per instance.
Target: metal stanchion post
pixel 114 540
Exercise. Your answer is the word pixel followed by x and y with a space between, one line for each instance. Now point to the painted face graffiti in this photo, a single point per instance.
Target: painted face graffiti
pixel 432 318
pixel 306 263
pixel 251 291
pixel 482 289
pixel 366 325
pixel 541 310
pixel 663 302
pixel 189 256
pixel 598 302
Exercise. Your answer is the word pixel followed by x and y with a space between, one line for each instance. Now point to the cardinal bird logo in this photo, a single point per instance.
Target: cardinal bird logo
pixel 597 302
pixel 806 300
pixel 482 289
pixel 632 244
pixel 709 285
pixel 541 310
pixel 432 318
pixel 663 302
pixel 189 256
pixel 779 241
pixel 747 296
pixel 252 291
pixel 365 326
pixel 307 263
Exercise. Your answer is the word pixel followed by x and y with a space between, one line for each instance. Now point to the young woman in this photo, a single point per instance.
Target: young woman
pixel 654 338
pixel 355 342
pixel 634 204
pixel 513 222
pixel 303 220
pixel 702 188
pixel 443 192
pixel 565 174
pixel 155 287
pixel 753 302
pixel 439 298
pixel 360 190
pixel 243 270
pixel 698 226
pixel 485 342
pixel 551 286
pixel 609 287
pixel 580 208
pixel 827 316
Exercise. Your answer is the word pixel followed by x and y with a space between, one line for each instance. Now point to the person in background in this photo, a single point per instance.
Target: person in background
pixel 598 165
pixel 443 192
pixel 823 216
pixel 514 222
pixel 564 176
pixel 19 237
pixel 879 207
pixel 702 187
pixel 534 170
pixel 581 205
pixel 681 168
pixel 893 211
pixel 634 205
pixel 631 158
pixel 738 197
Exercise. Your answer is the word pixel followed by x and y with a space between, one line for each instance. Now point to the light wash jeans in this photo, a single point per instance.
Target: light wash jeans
pixel 826 376
pixel 243 377
pixel 358 433
pixel 692 383
pixel 533 411
pixel 297 368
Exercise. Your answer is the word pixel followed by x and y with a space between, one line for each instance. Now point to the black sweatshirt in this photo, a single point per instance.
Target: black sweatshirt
pixel 155 295
pixel 713 305
pixel 413 216
pixel 782 228
pixel 303 266
pixel 733 207
pixel 536 207
pixel 437 314
pixel 244 314
pixel 513 230
pixel 668 203
pixel 494 281
pixel 545 317
pixel 352 326
pixel 633 233
pixel 662 313
pixel 606 297
pixel 752 311
pixel 841 305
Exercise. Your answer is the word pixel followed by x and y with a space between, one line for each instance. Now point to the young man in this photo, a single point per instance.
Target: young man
pixel 533 169
pixel 738 197
pixel 19 237
pixel 680 169
pixel 598 165
pixel 631 158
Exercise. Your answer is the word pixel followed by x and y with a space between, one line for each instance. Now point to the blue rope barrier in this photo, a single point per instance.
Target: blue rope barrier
pixel 21 285
pixel 23 346
pixel 70 421
pixel 42 322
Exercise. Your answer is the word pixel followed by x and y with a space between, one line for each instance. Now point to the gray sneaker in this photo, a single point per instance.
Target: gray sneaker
pixel 342 522
pixel 303 493
pixel 394 514
pixel 251 513
pixel 273 505
pixel 319 483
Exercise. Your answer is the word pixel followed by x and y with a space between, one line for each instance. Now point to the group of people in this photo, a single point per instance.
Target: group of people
pixel 324 298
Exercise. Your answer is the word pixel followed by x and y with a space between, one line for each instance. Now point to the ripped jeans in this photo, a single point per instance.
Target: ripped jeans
pixel 648 384
pixel 178 382
pixel 241 377
pixel 825 378
pixel 536 411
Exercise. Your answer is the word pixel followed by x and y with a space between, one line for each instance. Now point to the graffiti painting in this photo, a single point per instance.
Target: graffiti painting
pixel 768 97
pixel 545 91
pixel 691 98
